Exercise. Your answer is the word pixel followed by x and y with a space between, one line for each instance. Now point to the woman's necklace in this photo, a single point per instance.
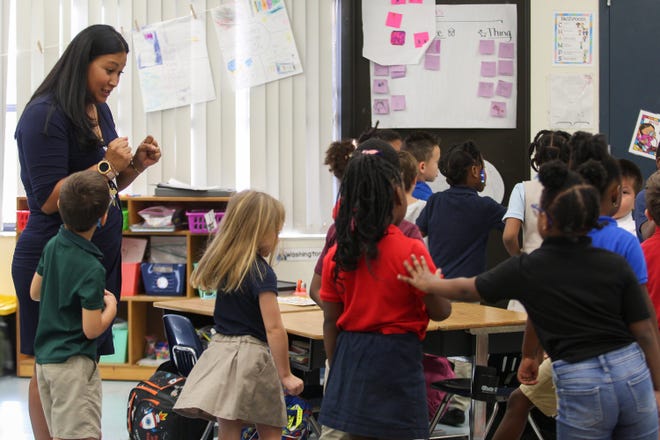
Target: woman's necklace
pixel 93 114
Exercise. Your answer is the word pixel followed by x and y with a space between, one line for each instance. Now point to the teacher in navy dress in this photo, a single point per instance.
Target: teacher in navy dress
pixel 68 127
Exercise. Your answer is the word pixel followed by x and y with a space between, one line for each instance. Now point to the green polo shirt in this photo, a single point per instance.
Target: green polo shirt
pixel 73 279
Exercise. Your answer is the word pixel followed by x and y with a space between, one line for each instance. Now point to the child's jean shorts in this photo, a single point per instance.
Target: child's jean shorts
pixel 607 396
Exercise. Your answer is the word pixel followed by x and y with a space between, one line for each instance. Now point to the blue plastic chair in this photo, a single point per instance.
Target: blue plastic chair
pixel 185 348
pixel 184 343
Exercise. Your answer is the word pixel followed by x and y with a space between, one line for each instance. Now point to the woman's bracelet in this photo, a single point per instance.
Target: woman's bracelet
pixel 132 164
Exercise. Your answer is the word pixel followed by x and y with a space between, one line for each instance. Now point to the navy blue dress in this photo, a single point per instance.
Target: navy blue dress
pixel 48 151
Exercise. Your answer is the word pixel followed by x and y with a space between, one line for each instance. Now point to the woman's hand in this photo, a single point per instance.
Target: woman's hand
pixel 118 154
pixel 420 275
pixel 147 154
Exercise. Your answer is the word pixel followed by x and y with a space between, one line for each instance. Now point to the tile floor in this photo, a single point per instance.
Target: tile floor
pixel 15 421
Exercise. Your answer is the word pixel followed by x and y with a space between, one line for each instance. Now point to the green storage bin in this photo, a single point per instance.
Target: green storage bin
pixel 205 294
pixel 120 340
pixel 124 213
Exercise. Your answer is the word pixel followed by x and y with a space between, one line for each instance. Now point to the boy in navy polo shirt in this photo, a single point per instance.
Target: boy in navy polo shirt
pixel 74 310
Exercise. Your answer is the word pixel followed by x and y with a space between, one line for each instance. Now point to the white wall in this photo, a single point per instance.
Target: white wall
pixel 542 40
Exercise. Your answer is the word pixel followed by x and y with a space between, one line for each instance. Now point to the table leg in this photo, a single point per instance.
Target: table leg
pixel 478 410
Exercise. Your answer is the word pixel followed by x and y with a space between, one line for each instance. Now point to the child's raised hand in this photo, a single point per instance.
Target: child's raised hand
pixel 293 385
pixel 420 275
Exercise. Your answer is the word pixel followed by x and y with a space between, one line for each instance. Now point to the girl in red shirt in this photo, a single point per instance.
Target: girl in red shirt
pixel 374 323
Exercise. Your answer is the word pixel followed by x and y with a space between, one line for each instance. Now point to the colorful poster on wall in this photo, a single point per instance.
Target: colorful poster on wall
pixel 466 78
pixel 256 41
pixel 397 31
pixel 573 38
pixel 644 140
pixel 173 64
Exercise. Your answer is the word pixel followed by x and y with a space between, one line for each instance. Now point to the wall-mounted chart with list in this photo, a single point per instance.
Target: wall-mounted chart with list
pixel 465 79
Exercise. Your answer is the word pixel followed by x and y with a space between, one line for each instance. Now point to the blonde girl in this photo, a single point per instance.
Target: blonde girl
pixel 240 376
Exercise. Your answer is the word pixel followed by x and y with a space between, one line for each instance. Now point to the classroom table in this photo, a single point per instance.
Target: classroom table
pixel 205 307
pixel 471 330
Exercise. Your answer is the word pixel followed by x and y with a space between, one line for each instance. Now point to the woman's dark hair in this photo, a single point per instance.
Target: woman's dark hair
pixel 548 145
pixel 337 155
pixel 454 164
pixel 367 201
pixel 584 146
pixel 572 205
pixel 67 80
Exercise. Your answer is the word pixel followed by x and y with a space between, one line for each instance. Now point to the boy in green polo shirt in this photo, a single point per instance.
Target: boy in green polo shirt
pixel 75 309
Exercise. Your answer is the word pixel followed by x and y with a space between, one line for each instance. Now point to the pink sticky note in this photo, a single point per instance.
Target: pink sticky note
pixel 505 67
pixel 421 38
pixel 486 47
pixel 398 71
pixel 486 89
pixel 393 19
pixel 504 89
pixel 431 62
pixel 398 2
pixel 398 38
pixel 415 1
pixel 380 86
pixel 434 47
pixel 381 106
pixel 381 70
pixel 488 69
pixel 398 102
pixel 498 109
pixel 506 50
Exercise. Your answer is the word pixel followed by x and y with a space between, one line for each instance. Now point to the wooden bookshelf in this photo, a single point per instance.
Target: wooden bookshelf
pixel 142 318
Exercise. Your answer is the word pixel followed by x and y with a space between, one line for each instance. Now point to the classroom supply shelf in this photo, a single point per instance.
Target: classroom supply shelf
pixel 138 311
pixel 304 354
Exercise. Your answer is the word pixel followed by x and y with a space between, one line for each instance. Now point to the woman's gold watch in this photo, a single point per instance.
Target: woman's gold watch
pixel 105 169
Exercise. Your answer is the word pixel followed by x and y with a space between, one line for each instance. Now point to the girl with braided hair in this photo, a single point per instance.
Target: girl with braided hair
pixel 587 309
pixel 373 323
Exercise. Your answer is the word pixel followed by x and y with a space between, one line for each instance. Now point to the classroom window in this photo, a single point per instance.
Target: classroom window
pixel 9 189
pixel 270 137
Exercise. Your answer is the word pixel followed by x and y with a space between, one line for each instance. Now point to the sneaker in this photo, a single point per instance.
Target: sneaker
pixel 453 417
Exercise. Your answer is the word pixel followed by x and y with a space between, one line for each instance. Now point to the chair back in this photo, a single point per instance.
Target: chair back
pixel 184 343
pixel 498 379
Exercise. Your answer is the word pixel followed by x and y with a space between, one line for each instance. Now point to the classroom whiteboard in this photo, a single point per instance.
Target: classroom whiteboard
pixel 466 79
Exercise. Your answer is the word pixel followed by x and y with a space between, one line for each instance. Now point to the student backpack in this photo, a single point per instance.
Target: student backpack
pixel 150 415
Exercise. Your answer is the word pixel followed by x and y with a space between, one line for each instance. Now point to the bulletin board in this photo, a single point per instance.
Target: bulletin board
pixel 505 148
pixel 466 78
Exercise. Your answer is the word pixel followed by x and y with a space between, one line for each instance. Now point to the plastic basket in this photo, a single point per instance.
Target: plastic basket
pixel 205 294
pixel 163 278
pixel 197 223
pixel 22 216
pixel 120 341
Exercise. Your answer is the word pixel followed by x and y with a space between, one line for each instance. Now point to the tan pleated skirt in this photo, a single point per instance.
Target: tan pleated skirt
pixel 234 379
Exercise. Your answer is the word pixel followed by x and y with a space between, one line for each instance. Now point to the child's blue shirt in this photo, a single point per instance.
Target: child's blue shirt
pixel 422 191
pixel 621 242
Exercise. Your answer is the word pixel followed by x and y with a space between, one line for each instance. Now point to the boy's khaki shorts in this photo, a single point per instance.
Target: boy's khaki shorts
pixel 543 394
pixel 71 397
